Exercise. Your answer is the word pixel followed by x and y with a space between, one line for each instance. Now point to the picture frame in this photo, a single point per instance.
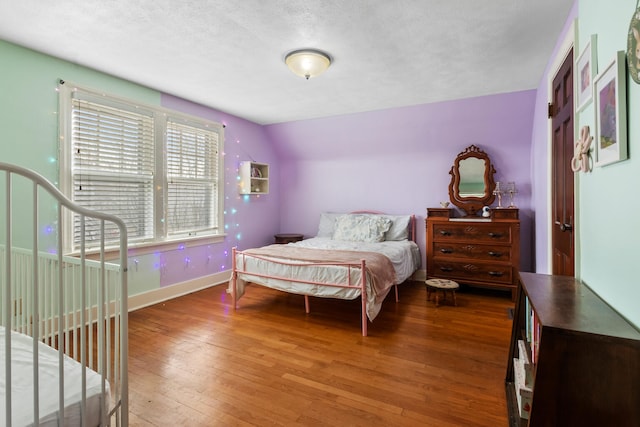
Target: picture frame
pixel 586 70
pixel 610 94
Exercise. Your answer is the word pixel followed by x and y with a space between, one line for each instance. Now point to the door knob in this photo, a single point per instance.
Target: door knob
pixel 566 227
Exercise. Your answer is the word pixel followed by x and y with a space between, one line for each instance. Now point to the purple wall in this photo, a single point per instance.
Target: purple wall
pixel 398 160
pixel 250 221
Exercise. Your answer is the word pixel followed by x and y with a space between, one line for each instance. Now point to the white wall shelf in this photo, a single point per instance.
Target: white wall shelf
pixel 254 178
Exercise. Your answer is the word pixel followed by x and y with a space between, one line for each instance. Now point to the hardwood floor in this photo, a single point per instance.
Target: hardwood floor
pixel 196 362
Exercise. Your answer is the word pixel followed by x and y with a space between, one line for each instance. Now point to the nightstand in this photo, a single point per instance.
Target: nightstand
pixel 288 238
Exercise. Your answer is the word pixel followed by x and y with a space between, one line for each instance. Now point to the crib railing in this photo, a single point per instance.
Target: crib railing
pixel 76 305
pixel 76 314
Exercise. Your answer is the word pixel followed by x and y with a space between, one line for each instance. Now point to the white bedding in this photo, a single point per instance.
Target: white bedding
pixel 22 385
pixel 404 256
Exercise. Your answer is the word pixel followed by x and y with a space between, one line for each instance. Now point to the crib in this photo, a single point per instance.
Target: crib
pixel 63 315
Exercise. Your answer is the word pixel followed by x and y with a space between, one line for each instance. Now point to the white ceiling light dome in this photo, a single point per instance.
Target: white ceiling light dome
pixel 308 63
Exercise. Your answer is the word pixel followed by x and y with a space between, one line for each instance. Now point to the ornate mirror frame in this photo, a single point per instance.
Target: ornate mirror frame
pixel 471 205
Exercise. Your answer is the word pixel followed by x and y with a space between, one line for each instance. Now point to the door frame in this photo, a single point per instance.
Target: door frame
pixel 567 44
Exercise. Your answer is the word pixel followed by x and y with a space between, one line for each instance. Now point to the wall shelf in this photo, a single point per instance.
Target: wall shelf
pixel 254 178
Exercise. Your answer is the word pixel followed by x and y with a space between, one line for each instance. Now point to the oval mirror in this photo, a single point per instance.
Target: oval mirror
pixel 472 182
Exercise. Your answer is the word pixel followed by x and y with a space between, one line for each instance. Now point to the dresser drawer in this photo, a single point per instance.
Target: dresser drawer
pixel 472 271
pixel 471 251
pixel 481 253
pixel 472 232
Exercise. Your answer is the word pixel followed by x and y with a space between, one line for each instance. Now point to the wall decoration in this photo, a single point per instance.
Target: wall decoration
pixel 611 112
pixel 586 69
pixel 580 160
pixel 633 46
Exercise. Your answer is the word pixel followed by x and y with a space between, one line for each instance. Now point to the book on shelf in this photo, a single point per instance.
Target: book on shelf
pixel 524 393
pixel 523 355
pixel 527 318
pixel 534 343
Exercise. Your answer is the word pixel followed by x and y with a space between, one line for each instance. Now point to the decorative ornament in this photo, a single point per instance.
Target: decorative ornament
pixel 498 191
pixel 486 211
pixel 633 46
pixel 511 191
pixel 580 160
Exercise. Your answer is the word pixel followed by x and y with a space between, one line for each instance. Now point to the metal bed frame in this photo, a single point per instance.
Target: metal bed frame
pixel 361 285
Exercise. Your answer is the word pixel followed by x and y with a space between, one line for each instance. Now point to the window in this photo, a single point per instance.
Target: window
pixel 158 170
pixel 192 178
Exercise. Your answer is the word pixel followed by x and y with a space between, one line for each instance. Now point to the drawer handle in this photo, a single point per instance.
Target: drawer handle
pixel 446 251
pixel 495 254
pixel 446 269
pixel 495 235
pixel 445 233
pixel 496 273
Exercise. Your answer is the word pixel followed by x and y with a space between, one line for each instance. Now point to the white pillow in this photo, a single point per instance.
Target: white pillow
pixel 361 228
pixel 399 229
pixel 327 224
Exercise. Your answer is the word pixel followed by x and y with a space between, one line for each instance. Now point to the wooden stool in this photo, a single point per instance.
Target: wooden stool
pixel 444 285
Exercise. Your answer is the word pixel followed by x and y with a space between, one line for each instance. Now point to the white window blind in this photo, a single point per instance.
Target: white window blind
pixel 192 178
pixel 157 170
pixel 113 165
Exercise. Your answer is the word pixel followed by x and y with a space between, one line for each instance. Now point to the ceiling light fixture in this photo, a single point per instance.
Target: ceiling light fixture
pixel 307 62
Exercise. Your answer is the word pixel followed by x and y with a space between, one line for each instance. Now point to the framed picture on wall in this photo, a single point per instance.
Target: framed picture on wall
pixel 585 71
pixel 610 90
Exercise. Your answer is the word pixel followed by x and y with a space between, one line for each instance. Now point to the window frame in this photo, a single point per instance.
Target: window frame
pixel 161 117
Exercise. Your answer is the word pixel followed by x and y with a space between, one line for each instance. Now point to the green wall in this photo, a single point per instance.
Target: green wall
pixel 29 104
pixel 29 138
pixel 29 123
pixel 607 203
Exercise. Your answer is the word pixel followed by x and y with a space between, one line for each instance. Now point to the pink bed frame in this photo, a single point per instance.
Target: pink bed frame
pixel 360 285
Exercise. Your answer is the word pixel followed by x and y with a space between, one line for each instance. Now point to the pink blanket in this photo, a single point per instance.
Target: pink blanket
pixel 382 274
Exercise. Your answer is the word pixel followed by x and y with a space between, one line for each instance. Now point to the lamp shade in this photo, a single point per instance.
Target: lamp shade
pixel 307 62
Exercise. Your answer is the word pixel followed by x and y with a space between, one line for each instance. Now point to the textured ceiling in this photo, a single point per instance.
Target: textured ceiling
pixel 229 55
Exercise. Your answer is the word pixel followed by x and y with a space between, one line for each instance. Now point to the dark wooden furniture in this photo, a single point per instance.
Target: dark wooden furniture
pixel 285 238
pixel 587 371
pixel 472 183
pixel 473 250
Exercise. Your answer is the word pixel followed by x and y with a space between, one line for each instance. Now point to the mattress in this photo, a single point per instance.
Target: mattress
pixel 404 257
pixel 22 385
pixel 403 254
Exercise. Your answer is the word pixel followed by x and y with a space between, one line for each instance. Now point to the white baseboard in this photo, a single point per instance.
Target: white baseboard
pixel 146 299
pixel 179 289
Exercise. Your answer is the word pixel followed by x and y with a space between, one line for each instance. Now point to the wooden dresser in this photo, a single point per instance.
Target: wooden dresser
pixel 477 251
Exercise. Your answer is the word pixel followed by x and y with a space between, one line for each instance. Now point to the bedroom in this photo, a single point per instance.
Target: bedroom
pixel 419 166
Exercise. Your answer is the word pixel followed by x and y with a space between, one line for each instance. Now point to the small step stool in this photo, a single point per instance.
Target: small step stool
pixel 444 285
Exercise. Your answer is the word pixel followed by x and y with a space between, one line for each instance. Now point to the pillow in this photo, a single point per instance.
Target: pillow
pixel 327 224
pixel 399 229
pixel 361 228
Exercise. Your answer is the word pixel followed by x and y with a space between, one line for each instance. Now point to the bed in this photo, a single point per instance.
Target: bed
pixel 330 265
pixel 63 317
